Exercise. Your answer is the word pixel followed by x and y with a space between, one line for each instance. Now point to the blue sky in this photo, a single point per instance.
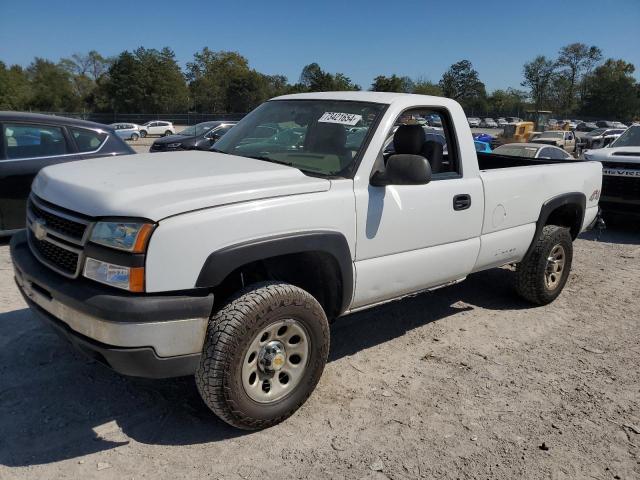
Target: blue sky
pixel 359 38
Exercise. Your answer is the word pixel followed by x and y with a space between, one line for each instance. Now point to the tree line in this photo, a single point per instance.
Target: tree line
pixel 579 82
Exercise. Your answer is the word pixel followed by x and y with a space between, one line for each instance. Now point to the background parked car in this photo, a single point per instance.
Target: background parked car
pixel 605 124
pixel 558 138
pixel 196 137
pixel 488 123
pixel 586 127
pixel 158 127
pixel 532 150
pixel 502 122
pixel 599 138
pixel 31 142
pixel 126 131
pixel 473 121
pixel 483 147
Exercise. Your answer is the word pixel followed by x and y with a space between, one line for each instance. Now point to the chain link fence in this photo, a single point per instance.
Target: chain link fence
pixel 189 118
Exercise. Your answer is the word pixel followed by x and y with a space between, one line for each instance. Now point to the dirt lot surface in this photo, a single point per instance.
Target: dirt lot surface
pixel 465 382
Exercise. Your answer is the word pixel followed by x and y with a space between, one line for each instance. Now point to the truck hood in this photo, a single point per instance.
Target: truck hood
pixel 616 154
pixel 160 185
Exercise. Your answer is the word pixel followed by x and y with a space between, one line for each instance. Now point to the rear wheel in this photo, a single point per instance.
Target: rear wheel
pixel 135 137
pixel 543 273
pixel 167 133
pixel 264 353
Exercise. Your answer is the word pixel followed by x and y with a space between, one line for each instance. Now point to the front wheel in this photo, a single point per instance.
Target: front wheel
pixel 143 133
pixel 167 133
pixel 264 353
pixel 543 273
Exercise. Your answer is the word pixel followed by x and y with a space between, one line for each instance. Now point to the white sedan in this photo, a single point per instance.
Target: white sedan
pixel 533 150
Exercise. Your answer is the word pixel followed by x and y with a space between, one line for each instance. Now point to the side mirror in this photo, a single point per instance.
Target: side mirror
pixel 403 170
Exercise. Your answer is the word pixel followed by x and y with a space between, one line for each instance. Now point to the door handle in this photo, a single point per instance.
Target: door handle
pixel 462 201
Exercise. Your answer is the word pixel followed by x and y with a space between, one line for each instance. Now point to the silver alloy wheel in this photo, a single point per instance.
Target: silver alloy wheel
pixel 555 267
pixel 276 361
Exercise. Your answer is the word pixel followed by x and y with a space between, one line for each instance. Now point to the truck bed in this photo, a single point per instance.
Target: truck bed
pixel 492 161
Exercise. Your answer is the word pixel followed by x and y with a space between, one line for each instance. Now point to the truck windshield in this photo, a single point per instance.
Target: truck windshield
pixel 630 138
pixel 322 137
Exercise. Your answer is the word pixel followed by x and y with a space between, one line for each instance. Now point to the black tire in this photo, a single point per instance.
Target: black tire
pixel 135 137
pixel 531 272
pixel 231 331
pixel 143 133
pixel 167 133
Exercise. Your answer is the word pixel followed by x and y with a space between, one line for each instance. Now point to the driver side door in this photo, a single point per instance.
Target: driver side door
pixel 414 237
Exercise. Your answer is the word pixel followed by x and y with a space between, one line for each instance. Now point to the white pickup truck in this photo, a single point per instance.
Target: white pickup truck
pixel 230 264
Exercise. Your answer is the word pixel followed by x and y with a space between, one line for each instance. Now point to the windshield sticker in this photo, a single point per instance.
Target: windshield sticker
pixel 342 118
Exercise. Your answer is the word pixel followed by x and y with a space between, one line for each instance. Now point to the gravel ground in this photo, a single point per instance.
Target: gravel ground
pixel 464 382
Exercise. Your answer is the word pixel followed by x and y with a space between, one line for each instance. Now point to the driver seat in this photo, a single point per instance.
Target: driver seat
pixel 412 140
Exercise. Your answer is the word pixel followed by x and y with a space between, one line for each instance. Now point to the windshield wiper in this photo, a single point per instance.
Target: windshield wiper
pixel 273 160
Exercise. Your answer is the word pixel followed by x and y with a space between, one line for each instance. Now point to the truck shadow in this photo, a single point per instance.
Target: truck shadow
pixel 56 405
pixel 616 232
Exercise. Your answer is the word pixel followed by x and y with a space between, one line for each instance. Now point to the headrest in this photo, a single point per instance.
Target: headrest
pixel 409 139
pixel 328 138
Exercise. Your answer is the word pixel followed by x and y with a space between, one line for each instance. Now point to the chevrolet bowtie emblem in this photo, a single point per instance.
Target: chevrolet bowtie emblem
pixel 38 229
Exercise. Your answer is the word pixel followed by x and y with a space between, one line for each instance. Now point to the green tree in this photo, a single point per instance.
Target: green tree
pixel 209 76
pixel 510 102
pixel 84 71
pixel 145 81
pixel 51 87
pixel 574 60
pixel 425 87
pixel 461 81
pixel 314 79
pixel 392 84
pixel 15 89
pixel 613 92
pixel 537 77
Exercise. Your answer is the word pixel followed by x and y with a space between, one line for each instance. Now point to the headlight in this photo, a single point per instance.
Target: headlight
pixel 127 278
pixel 174 145
pixel 127 236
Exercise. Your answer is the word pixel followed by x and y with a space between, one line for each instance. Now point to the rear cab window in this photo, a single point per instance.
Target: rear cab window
pixel 22 140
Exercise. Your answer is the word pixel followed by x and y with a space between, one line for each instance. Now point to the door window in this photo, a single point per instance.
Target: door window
pixel 438 145
pixel 88 140
pixel 29 141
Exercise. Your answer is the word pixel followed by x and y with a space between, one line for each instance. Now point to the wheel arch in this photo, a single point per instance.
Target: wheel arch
pixel 325 253
pixel 565 210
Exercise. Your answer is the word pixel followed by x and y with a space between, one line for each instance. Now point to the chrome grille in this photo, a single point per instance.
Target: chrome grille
pixel 58 224
pixel 56 236
pixel 62 258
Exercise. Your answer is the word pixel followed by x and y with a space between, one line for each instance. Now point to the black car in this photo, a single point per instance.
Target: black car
pixel 29 142
pixel 196 137
pixel 586 126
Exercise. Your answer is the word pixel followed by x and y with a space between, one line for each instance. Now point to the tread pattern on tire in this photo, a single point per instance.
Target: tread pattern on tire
pixel 233 322
pixel 530 271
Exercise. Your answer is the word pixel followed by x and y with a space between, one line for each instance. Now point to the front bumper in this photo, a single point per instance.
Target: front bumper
pixel 135 334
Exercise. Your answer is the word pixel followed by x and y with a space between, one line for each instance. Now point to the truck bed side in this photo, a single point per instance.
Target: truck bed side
pixel 515 195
